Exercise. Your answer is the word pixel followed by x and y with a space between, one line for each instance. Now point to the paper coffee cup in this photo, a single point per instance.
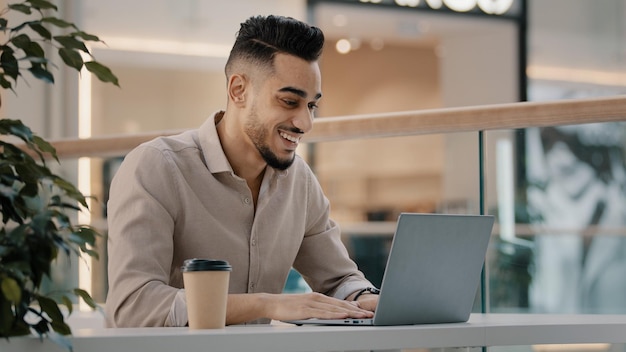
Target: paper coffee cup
pixel 206 290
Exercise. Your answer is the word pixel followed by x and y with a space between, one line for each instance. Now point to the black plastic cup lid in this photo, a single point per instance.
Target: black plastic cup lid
pixel 197 264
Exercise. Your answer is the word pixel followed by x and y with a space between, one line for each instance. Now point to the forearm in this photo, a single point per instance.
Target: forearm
pixel 246 307
pixel 145 307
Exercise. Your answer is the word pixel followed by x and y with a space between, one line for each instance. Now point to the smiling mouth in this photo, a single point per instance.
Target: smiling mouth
pixel 289 137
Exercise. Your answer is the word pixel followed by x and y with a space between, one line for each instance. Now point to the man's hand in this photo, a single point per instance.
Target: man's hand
pixel 247 307
pixel 368 301
pixel 313 305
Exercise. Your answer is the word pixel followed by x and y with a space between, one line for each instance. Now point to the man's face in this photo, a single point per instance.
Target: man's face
pixel 282 109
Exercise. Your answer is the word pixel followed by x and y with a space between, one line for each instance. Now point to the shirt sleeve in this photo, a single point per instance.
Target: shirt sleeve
pixel 141 211
pixel 323 259
pixel 178 311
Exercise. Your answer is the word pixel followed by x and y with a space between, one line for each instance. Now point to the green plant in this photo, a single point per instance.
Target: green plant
pixel 20 47
pixel 36 204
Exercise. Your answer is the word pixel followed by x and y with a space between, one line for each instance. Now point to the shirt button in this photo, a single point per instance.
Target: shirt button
pixel 246 200
pixel 253 242
pixel 251 286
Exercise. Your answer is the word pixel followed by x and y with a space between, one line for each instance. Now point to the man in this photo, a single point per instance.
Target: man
pixel 235 190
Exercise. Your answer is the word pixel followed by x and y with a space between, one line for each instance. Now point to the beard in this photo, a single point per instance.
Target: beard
pixel 258 135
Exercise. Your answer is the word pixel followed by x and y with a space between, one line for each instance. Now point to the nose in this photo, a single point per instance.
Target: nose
pixel 304 120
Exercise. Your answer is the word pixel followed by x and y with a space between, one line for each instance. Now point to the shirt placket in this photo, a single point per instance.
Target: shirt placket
pixel 255 254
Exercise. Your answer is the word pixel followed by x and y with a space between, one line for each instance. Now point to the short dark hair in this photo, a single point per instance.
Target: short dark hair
pixel 260 38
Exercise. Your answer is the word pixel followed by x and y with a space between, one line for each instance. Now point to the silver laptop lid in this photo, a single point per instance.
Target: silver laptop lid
pixel 433 270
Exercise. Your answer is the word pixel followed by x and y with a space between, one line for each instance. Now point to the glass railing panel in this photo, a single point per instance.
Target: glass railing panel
pixel 69 272
pixel 579 347
pixel 558 243
pixel 558 194
pixel 370 181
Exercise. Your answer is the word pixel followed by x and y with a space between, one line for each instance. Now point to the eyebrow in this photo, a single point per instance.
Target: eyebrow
pixel 298 92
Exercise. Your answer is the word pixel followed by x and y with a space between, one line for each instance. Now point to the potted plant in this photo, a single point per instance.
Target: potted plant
pixel 37 205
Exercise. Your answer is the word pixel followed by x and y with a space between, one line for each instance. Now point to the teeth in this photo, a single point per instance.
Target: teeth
pixel 289 138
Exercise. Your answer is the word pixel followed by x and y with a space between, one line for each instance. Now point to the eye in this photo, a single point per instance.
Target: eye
pixel 313 106
pixel 289 102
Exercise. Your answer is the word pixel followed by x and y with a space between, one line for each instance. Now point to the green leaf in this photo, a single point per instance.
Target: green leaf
pixel 64 205
pixel 42 4
pixel 41 327
pixel 35 60
pixel 6 325
pixel 61 327
pixel 21 41
pixel 41 73
pixel 11 290
pixel 30 173
pixel 4 251
pixel 21 8
pixel 34 49
pixel 4 83
pixel 57 22
pixel 17 128
pixel 35 143
pixel 68 304
pixel 7 192
pixel 41 30
pixel 70 190
pixel 71 58
pixel 86 36
pixel 21 269
pixel 20 27
pixel 50 307
pixel 44 146
pixel 9 65
pixel 86 297
pixel 6 47
pixel 103 73
pixel 30 189
pixel 92 253
pixel 70 42
pixel 3 24
pixel 29 47
pixel 83 236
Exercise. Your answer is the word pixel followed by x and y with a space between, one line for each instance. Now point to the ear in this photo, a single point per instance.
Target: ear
pixel 237 86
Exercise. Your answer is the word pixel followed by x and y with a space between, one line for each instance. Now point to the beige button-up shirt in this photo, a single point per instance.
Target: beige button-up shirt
pixel 177 197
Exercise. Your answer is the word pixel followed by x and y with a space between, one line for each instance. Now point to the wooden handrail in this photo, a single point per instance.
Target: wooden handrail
pixel 435 121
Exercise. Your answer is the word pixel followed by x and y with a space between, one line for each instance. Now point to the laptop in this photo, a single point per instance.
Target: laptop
pixel 433 271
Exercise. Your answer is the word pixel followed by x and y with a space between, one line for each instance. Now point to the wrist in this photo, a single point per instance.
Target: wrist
pixel 365 291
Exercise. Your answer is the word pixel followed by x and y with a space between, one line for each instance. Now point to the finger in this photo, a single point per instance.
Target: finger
pixel 338 306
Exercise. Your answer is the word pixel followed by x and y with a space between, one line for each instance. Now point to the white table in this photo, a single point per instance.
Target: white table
pixel 481 330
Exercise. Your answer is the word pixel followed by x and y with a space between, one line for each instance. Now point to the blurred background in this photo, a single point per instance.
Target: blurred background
pixel 558 192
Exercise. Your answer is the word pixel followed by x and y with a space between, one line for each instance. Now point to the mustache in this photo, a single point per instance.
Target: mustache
pixel 293 129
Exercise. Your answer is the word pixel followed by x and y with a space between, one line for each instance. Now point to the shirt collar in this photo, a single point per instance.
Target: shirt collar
pixel 214 155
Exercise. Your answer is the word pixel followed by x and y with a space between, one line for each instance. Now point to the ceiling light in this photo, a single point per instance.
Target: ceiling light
pixel 409 3
pixel 343 46
pixel 435 4
pixel 460 5
pixel 495 7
